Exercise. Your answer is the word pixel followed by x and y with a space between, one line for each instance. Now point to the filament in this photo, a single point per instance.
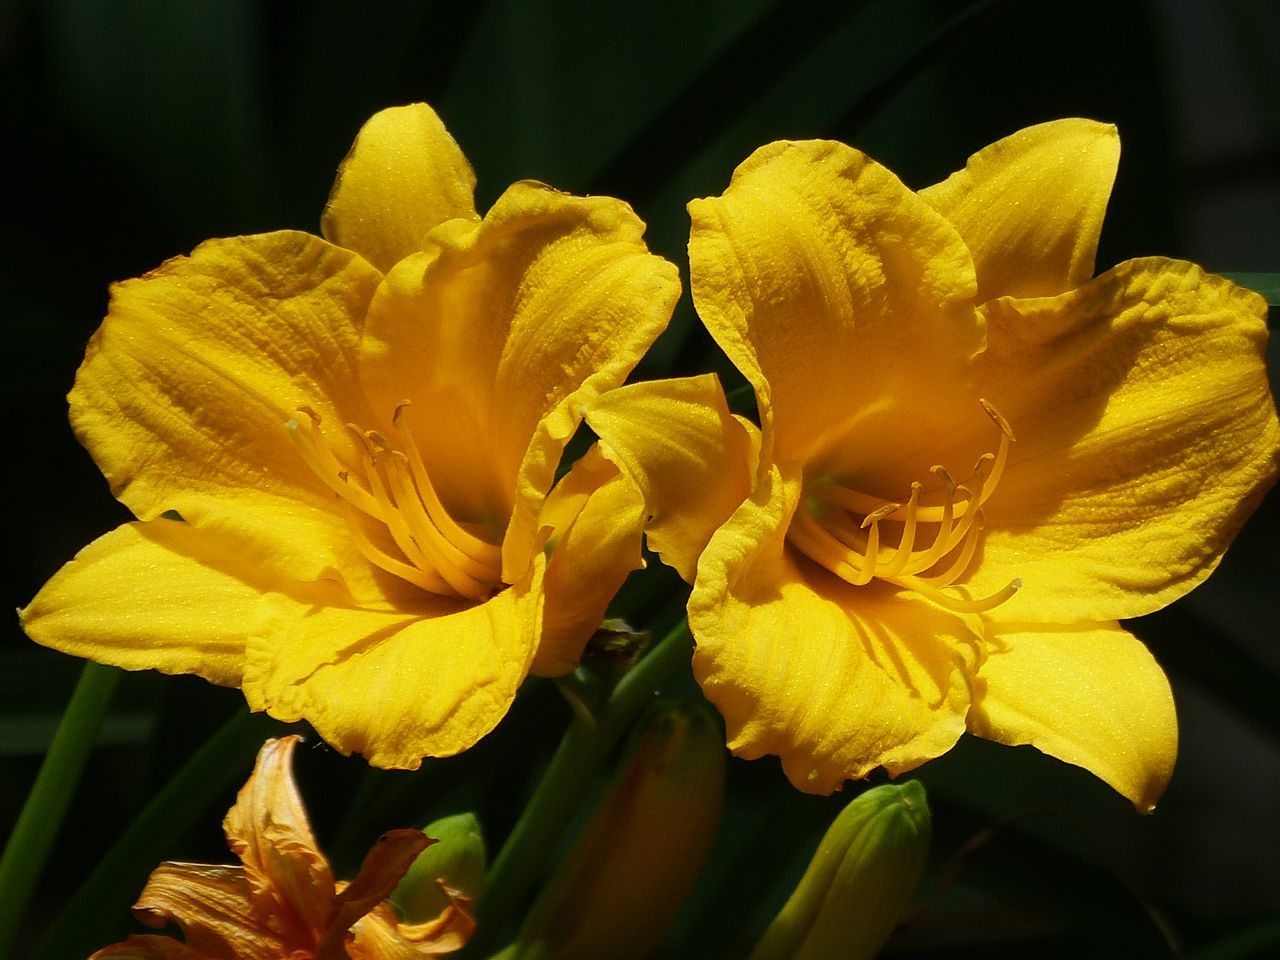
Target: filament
pixel 391 488
pixel 846 530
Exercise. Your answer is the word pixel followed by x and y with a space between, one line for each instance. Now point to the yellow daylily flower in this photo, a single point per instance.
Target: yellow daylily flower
pixel 359 435
pixel 282 900
pixel 973 459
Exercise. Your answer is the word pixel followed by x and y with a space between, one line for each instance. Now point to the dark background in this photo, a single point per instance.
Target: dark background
pixel 135 129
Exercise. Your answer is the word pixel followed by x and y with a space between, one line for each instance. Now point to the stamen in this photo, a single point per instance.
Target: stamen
pixel 939 548
pixel 438 555
pixel 869 558
pixel 394 520
pixel 908 542
pixel 997 419
pixel 962 604
pixel 820 546
pixel 961 563
pixel 879 513
pixel 480 550
pixel 325 465
pixel 444 556
pixel 426 579
pixel 840 528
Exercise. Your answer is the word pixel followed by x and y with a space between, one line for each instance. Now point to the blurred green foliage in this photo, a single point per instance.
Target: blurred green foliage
pixel 135 129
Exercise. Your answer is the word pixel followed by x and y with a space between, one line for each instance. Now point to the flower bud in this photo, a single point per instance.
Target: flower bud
pixel 456 860
pixel 630 871
pixel 859 881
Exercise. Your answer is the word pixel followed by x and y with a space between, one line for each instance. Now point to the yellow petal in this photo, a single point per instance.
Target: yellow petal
pixel 155 595
pixel 504 330
pixel 836 680
pixel 818 272
pixel 403 176
pixel 1030 206
pixel 597 518
pixel 691 458
pixel 216 910
pixel 268 830
pixel 396 684
pixel 1090 694
pixel 1146 435
pixel 186 388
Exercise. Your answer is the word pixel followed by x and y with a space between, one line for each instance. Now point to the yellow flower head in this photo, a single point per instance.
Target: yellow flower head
pixel 973 459
pixel 359 435
pixel 282 900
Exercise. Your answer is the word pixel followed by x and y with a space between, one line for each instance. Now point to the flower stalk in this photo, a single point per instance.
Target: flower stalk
pixel 574 767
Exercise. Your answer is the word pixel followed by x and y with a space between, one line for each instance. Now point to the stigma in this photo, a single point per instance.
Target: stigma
pixel 926 542
pixel 395 515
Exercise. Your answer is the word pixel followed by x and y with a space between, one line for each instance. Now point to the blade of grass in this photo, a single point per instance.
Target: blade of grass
pixel 33 835
pixel 95 913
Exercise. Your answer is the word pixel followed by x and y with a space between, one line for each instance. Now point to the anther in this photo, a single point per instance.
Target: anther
pixel 997 419
pixel 941 473
pixel 435 553
pixel 878 514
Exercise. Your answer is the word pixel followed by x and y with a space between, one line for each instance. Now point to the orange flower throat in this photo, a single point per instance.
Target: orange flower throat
pixel 848 532
pixel 414 536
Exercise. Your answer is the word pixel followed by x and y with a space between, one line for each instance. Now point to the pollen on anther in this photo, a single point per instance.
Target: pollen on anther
pixel 997 419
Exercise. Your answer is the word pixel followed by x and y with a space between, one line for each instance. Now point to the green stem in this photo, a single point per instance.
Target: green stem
pixel 33 835
pixel 99 907
pixel 573 768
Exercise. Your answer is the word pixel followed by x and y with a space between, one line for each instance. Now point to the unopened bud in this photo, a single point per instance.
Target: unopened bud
pixel 456 861
pixel 630 871
pixel 858 883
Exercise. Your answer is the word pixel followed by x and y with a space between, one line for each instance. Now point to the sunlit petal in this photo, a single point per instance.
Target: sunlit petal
pixel 835 680
pixel 504 330
pixel 1090 694
pixel 383 867
pixel 692 460
pixel 403 176
pixel 1146 435
pixel 395 684
pixel 380 936
pixel 156 595
pixel 216 910
pixel 818 273
pixel 1030 206
pixel 186 388
pixel 596 517
pixel 269 831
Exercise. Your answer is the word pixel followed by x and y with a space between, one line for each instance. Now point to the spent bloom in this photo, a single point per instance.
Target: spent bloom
pixel 282 900
pixel 974 458
pixel 340 451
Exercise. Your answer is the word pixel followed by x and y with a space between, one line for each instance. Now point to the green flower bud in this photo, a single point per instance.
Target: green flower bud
pixel 456 859
pixel 630 871
pixel 858 883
